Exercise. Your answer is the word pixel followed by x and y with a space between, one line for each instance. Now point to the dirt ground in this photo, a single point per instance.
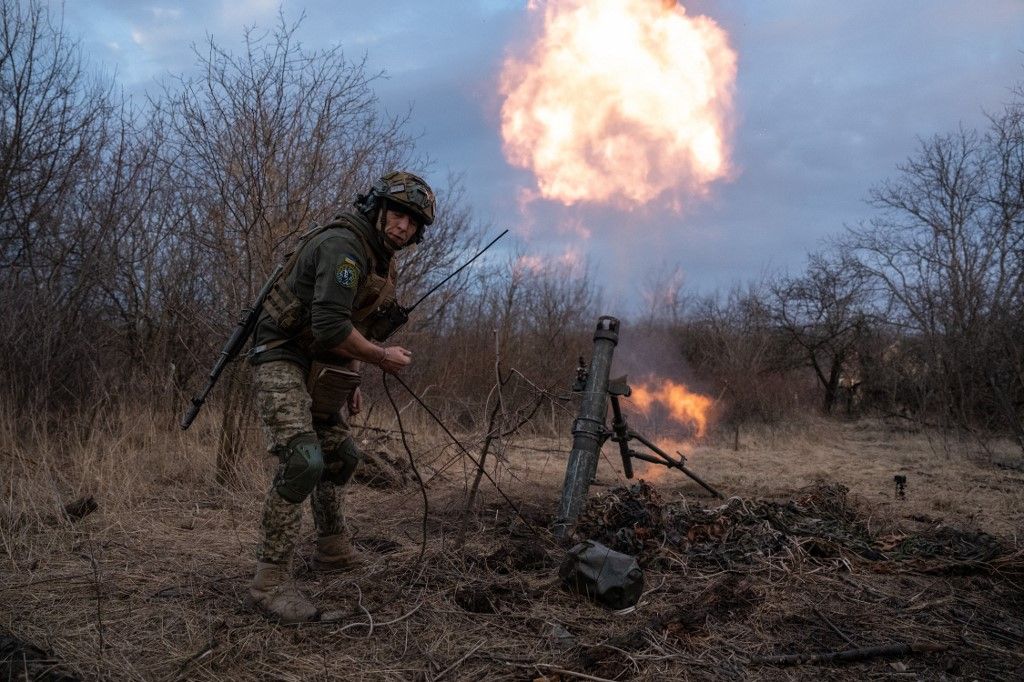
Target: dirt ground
pixel 152 584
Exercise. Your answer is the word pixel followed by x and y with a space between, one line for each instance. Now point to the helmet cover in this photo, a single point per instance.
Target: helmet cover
pixel 408 193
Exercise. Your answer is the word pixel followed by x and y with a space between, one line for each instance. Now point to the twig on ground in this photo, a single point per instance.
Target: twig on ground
pixel 54 579
pixel 459 662
pixel 369 616
pixel 198 656
pixel 99 607
pixel 515 507
pixel 563 671
pixel 379 429
pixel 850 655
pixel 371 625
pixel 412 463
pixel 653 589
pixel 829 623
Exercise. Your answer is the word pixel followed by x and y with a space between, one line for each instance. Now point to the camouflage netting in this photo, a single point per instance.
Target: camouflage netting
pixel 819 522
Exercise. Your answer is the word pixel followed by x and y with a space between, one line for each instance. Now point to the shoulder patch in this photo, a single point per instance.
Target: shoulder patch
pixel 347 273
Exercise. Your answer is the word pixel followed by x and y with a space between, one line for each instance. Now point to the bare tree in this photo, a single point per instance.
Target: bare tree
pixel 664 296
pixel 823 312
pixel 731 342
pixel 946 251
pixel 61 133
pixel 51 124
pixel 262 143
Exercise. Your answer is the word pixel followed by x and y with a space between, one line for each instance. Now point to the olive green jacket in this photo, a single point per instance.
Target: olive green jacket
pixel 331 270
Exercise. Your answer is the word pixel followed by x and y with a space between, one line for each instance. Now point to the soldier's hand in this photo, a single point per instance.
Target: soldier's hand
pixel 355 402
pixel 394 359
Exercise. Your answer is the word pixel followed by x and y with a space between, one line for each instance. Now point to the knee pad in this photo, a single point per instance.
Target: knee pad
pixel 342 463
pixel 302 463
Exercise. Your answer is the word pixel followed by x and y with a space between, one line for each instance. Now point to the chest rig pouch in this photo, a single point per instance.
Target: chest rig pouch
pixel 375 301
pixel 285 308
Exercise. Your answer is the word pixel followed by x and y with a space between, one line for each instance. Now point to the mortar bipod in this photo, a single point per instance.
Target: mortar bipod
pixel 622 434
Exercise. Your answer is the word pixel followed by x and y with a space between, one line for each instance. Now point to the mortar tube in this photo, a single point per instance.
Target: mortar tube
pixel 588 429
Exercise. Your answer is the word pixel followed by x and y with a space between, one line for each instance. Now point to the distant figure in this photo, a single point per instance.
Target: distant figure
pixel 322 319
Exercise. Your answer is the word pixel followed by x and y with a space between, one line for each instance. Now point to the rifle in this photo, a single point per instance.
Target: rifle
pixel 393 317
pixel 243 330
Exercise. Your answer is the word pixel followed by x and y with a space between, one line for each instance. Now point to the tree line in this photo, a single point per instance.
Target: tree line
pixel 132 233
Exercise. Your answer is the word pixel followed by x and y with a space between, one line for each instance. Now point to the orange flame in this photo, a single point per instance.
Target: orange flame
pixel 683 405
pixel 620 101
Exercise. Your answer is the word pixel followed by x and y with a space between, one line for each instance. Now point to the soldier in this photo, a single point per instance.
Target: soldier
pixel 320 320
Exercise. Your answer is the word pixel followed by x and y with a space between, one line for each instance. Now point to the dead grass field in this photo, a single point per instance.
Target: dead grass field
pixel 151 585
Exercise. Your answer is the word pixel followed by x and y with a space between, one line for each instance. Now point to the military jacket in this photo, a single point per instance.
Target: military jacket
pixel 338 275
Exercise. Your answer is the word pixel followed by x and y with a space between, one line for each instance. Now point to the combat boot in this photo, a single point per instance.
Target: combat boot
pixel 274 593
pixel 336 553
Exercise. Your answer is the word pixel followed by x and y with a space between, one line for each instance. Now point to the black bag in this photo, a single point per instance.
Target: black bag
pixel 604 575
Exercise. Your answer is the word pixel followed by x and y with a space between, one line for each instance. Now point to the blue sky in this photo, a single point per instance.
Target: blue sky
pixel 830 96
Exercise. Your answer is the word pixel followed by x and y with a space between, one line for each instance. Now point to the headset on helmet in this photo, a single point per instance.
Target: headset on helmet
pixel 402 191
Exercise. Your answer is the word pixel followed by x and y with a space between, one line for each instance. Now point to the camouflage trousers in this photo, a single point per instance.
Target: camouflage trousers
pixel 284 405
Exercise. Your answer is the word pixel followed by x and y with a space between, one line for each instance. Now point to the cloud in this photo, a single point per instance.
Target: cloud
pixel 569 262
pixel 165 14
pixel 234 12
pixel 830 96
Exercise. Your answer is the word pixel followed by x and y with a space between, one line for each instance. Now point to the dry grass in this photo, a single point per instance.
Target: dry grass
pixel 151 586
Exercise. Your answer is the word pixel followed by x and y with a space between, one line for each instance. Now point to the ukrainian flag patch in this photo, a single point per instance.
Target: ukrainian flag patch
pixel 347 273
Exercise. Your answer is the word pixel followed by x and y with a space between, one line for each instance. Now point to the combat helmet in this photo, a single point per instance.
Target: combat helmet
pixel 403 191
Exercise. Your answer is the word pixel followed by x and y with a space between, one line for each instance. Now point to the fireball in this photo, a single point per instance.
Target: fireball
pixel 621 102
pixel 683 405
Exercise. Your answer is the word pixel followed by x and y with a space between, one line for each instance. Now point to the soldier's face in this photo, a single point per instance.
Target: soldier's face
pixel 399 227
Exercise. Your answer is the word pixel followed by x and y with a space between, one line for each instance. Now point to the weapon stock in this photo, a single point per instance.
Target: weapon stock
pixel 243 330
